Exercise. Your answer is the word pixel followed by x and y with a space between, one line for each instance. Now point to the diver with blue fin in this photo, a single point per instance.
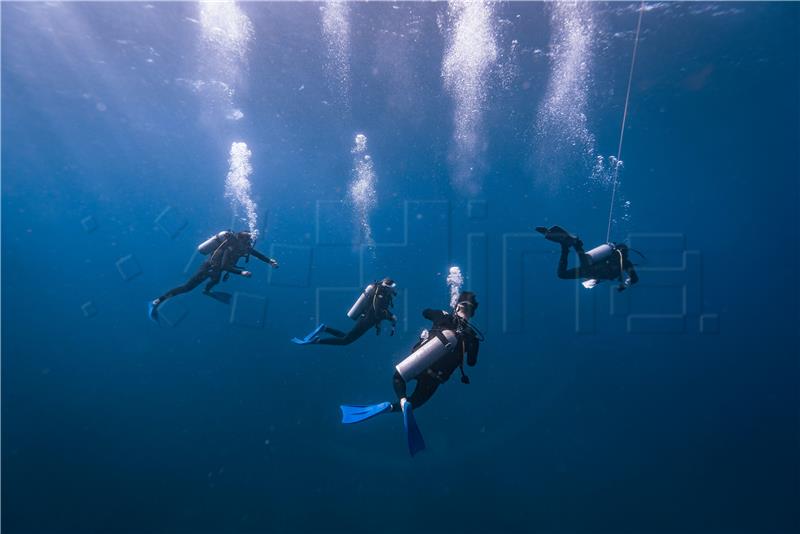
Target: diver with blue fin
pixel 609 261
pixel 224 250
pixel 433 359
pixel 371 308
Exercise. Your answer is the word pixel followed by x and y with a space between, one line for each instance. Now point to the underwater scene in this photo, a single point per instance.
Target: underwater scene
pixel 390 267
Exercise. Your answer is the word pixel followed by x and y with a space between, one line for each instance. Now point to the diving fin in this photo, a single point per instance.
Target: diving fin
pixel 316 331
pixel 557 235
pixel 312 337
pixel 355 414
pixel 220 296
pixel 152 311
pixel 298 341
pixel 415 441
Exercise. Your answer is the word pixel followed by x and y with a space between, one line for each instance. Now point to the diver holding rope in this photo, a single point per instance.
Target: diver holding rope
pixel 609 261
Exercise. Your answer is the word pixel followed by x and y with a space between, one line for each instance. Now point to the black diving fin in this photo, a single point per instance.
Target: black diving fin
pixel 557 235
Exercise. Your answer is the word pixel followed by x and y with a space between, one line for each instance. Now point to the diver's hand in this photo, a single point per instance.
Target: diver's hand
pixel 392 332
pixel 274 264
pixel 247 274
pixel 621 288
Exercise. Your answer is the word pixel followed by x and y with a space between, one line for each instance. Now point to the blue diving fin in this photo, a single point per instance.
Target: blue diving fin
pixel 311 337
pixel 415 441
pixel 152 311
pixel 355 414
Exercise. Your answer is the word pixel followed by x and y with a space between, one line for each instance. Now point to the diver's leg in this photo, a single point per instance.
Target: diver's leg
pixel 583 259
pixel 563 272
pixel 400 389
pixel 424 390
pixel 192 283
pixel 334 332
pixel 358 330
pixel 213 279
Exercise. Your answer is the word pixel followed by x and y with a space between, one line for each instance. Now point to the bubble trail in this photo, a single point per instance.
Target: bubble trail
pixel 455 280
pixel 561 120
pixel 361 191
pixel 227 33
pixel 227 29
pixel 238 186
pixel 470 55
pixel 336 31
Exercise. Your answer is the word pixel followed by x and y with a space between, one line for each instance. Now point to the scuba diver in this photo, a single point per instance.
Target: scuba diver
pixel 438 353
pixel 609 261
pixel 224 250
pixel 370 309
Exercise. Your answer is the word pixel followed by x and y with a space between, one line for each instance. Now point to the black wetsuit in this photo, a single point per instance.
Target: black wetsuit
pixel 610 269
pixel 223 259
pixel 377 311
pixel 429 380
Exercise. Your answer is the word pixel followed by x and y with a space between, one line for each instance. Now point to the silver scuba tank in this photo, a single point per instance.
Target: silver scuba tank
pixel 426 355
pixel 360 305
pixel 210 245
pixel 600 254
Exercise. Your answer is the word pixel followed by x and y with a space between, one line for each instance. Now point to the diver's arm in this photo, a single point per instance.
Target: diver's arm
pixel 433 315
pixel 230 266
pixel 632 273
pixel 381 304
pixel 263 258
pixel 226 264
pixel 385 315
pixel 631 278
pixel 472 351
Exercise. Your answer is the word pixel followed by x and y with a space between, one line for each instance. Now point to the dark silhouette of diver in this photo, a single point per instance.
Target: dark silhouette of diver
pixel 224 251
pixel 433 359
pixel 372 307
pixel 609 261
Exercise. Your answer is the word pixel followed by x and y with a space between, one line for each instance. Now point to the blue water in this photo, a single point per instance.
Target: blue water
pixel 672 407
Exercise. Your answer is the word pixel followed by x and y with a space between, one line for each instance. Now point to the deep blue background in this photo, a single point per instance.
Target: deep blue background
pixel 113 424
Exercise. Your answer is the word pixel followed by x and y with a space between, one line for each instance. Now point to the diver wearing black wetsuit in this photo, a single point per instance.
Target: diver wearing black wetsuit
pixel 232 247
pixel 617 266
pixel 467 344
pixel 377 310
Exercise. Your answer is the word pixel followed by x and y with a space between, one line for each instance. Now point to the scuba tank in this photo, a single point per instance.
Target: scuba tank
pixel 431 351
pixel 360 305
pixel 212 243
pixel 600 254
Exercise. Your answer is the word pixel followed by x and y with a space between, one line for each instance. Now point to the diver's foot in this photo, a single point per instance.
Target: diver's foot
pixel 305 341
pixel 152 310
pixel 557 235
pixel 220 296
pixel 315 333
pixel 357 413
pixel 416 443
